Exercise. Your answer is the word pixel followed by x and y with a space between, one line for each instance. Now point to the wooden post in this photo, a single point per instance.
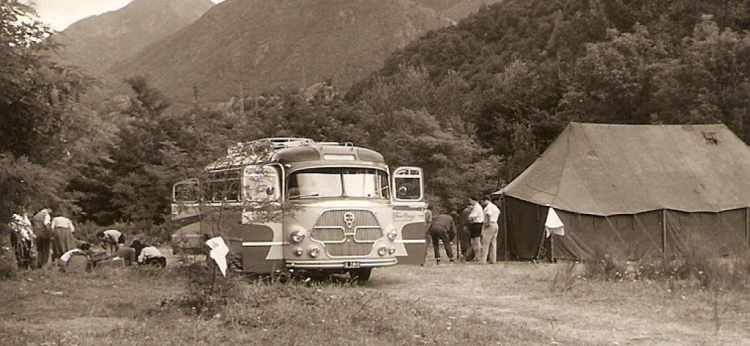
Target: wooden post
pixel 664 231
pixel 505 227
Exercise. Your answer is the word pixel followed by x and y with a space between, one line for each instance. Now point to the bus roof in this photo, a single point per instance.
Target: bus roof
pixel 297 150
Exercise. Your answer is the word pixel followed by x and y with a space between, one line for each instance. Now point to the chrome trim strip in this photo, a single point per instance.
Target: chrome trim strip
pixel 384 262
pixel 264 243
pixel 410 241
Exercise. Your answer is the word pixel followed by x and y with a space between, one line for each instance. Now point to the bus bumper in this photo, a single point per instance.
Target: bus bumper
pixel 342 264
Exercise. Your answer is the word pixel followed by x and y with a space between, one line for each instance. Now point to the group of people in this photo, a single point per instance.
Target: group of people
pixel 43 233
pixel 51 240
pixel 475 228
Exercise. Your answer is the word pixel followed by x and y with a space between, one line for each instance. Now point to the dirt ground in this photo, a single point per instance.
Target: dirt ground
pixel 586 312
pixel 510 295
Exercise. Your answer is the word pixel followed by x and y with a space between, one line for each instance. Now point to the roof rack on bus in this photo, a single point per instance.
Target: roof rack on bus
pixel 288 142
pixel 336 144
pixel 276 143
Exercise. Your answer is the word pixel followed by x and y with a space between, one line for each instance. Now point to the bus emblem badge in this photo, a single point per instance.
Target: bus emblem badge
pixel 349 219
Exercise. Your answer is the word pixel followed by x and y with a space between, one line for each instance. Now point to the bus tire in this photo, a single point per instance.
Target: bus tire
pixel 360 275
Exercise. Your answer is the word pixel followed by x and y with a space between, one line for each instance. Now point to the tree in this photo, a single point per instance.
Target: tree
pixel 35 96
pixel 613 81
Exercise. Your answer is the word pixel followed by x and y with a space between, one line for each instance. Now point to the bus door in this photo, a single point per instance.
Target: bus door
pixel 408 214
pixel 186 215
pixel 261 237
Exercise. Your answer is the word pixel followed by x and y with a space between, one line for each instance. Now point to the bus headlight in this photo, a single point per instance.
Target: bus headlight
pixel 391 250
pixel 392 235
pixel 382 251
pixel 298 236
pixel 314 252
pixel 298 251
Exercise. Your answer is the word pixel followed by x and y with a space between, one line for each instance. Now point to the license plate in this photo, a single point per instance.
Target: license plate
pixel 352 264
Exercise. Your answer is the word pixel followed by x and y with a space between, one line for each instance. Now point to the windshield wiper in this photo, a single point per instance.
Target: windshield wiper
pixel 314 194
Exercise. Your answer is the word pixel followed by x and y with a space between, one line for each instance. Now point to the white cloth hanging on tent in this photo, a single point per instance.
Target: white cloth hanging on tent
pixel 553 225
pixel 219 251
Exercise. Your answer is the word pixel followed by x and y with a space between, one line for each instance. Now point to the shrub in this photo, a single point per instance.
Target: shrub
pixel 565 278
pixel 699 259
pixel 604 266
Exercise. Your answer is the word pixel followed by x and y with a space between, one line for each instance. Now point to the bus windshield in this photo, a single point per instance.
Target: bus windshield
pixel 339 182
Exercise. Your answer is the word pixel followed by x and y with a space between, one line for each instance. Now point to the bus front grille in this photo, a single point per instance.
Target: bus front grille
pixel 325 234
pixel 347 232
pixel 348 248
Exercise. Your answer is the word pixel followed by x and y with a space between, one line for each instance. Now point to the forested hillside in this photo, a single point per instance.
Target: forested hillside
pixel 97 42
pixel 473 104
pixel 259 45
pixel 531 66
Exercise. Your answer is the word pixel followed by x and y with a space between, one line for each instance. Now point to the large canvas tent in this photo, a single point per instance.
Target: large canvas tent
pixel 631 191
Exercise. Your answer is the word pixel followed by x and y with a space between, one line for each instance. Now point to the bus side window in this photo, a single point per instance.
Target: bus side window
pixel 187 191
pixel 407 184
pixel 223 186
pixel 261 183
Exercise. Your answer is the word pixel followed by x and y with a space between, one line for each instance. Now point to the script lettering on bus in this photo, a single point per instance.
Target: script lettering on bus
pixel 405 216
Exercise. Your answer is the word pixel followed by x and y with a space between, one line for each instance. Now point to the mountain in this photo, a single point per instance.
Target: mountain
pixel 252 46
pixel 96 43
pixel 455 9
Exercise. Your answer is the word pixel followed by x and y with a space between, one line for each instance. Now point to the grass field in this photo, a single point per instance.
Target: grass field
pixel 503 304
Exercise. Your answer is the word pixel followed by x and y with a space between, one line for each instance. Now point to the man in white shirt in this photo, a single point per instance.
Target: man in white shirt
pixel 112 239
pixel 489 231
pixel 476 219
pixel 148 255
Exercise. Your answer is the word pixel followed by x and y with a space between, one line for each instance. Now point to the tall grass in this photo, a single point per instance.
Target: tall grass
pixel 190 306
pixel 699 261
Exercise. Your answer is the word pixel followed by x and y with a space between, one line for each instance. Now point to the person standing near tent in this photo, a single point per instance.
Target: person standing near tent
pixel 476 220
pixel 41 222
pixel 442 228
pixel 464 234
pixel 489 231
pixel 62 236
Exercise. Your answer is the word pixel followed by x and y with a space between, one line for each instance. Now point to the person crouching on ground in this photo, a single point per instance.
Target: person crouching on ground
pixel 112 240
pixel 148 255
pixel 442 228
pixel 75 260
pixel 476 220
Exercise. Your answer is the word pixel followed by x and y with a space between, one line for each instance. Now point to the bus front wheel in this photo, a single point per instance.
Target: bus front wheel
pixel 360 275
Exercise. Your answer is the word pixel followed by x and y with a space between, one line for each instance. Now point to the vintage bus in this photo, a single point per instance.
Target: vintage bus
pixel 305 206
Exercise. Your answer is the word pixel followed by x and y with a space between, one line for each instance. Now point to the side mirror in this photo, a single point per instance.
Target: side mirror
pixel 402 191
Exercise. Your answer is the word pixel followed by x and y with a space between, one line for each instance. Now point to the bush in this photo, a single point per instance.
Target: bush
pixel 605 267
pixel 8 265
pixel 565 278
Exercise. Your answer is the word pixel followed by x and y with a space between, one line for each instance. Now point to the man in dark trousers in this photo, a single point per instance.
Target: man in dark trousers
pixel 41 224
pixel 442 228
pixel 464 235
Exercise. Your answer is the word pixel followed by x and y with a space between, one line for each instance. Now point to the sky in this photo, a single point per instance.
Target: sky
pixel 61 13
